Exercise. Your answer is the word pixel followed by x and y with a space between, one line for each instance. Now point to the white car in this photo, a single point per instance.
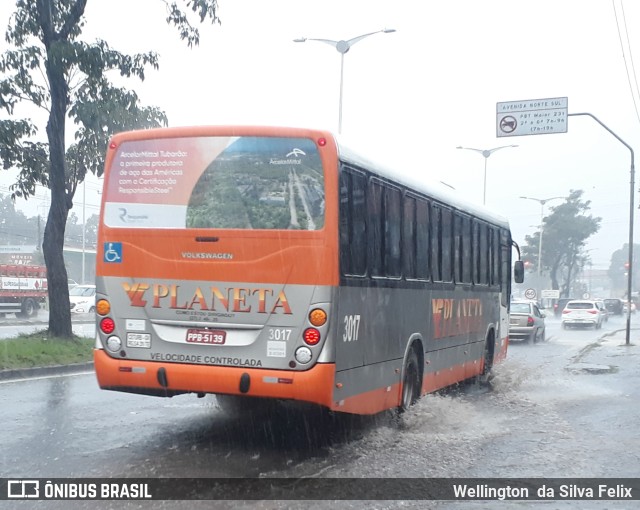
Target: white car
pixel 83 299
pixel 603 309
pixel 582 312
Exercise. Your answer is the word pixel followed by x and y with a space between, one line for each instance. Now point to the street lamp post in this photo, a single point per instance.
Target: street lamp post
pixel 541 201
pixel 485 153
pixel 343 47
pixel 84 226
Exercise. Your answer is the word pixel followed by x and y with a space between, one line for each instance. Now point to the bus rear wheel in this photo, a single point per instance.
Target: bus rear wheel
pixel 410 382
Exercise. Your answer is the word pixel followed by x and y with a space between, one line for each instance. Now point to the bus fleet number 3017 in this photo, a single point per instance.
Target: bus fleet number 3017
pixel 351 328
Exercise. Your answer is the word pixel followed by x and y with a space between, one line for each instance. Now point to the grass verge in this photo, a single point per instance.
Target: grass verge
pixel 40 350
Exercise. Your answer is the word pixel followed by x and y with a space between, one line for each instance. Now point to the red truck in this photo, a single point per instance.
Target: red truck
pixel 23 289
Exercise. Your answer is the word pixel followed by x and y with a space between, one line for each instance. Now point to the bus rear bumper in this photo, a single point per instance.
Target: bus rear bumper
pixel 168 379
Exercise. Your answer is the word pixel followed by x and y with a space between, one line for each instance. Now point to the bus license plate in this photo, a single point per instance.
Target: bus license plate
pixel 206 336
pixel 142 340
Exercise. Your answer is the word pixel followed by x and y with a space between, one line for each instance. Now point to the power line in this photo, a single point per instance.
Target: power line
pixel 626 66
pixel 626 32
pixel 21 236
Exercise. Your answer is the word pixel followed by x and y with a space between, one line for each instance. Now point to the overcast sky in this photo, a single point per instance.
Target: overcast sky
pixel 414 95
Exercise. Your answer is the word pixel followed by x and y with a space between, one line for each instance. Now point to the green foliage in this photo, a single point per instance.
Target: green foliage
pixel 47 66
pixel 41 350
pixel 202 8
pixel 73 231
pixel 619 268
pixel 18 229
pixel 15 227
pixel 565 232
pixel 44 36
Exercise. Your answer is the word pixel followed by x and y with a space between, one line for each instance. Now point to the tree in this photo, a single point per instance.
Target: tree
pixel 44 35
pixel 15 227
pixel 565 232
pixel 619 269
pixel 91 231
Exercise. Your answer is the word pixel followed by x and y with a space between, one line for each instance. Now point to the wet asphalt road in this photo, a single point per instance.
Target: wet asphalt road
pixel 562 408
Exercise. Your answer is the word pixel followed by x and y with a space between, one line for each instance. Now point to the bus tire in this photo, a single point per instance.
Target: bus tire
pixel 489 351
pixel 411 382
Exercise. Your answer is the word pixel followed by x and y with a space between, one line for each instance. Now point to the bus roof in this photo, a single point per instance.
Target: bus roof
pixel 432 188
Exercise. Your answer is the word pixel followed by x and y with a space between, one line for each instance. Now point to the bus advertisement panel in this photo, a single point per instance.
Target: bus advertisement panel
pixel 275 263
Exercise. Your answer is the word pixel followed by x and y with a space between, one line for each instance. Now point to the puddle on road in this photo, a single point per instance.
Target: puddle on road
pixel 591 368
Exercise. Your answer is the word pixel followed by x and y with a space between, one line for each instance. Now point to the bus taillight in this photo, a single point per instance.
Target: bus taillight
pixel 318 317
pixel 107 325
pixel 103 307
pixel 311 336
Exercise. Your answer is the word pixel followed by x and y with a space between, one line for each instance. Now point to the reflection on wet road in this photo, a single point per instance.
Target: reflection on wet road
pixel 66 426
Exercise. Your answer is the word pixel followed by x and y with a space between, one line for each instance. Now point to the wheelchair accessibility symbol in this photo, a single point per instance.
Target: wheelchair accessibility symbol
pixel 112 252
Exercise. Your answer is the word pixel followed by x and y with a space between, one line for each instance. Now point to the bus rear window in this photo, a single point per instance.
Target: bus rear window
pixel 216 182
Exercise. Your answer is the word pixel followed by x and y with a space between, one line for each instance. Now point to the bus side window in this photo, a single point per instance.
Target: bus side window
pixel 457 247
pixel 467 250
pixel 484 254
pixel 446 254
pixel 435 244
pixel 422 240
pixel 495 256
pixel 392 232
pixel 376 228
pixel 409 237
pixel 353 233
pixel 475 251
pixel 345 222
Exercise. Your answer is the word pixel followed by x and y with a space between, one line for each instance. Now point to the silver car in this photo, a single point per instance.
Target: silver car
pixel 526 322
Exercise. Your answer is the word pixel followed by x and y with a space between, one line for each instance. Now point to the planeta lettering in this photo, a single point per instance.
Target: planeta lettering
pixel 453 317
pixel 214 299
pixel 136 293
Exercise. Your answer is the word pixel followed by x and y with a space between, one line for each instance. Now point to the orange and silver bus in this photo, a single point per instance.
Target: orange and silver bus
pixel 276 263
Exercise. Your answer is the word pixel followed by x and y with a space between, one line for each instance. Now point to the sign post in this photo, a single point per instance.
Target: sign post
pixel 550 294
